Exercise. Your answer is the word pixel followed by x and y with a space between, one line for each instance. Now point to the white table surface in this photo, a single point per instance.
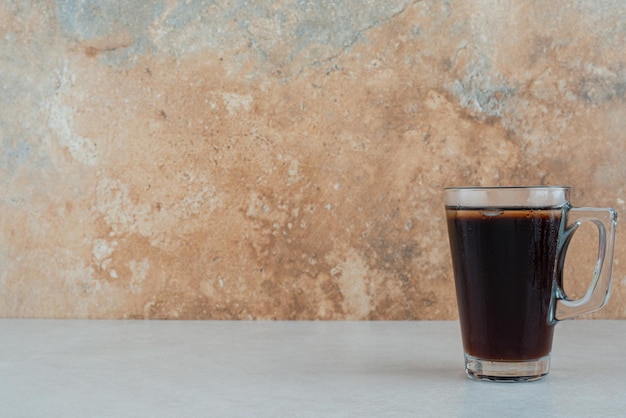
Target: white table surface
pixel 81 368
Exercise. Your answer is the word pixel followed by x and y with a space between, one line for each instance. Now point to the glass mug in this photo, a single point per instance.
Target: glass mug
pixel 508 247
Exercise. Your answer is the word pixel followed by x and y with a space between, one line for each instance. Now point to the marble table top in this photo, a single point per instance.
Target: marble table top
pixel 109 368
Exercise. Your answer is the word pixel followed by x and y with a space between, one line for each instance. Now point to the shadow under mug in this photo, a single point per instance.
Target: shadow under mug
pixel 508 247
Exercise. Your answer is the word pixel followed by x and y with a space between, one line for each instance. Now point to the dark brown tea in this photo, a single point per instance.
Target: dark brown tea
pixel 505 265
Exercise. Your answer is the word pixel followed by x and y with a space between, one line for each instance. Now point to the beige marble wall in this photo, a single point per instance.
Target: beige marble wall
pixel 285 159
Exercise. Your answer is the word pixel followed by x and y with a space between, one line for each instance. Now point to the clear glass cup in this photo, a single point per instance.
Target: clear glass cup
pixel 508 247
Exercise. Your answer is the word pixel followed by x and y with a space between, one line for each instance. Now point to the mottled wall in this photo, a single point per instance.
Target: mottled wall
pixel 285 159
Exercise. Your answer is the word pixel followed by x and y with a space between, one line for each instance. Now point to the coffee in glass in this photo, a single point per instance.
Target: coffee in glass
pixel 508 248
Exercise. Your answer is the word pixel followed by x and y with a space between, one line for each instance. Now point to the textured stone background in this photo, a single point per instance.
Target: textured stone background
pixel 285 159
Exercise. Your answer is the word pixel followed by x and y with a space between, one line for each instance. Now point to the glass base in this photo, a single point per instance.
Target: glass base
pixel 506 371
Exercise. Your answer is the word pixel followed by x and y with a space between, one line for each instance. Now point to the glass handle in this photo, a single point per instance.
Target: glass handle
pixel 599 289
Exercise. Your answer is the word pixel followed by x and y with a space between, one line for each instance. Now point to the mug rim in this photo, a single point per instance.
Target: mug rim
pixel 506 187
pixel 507 196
